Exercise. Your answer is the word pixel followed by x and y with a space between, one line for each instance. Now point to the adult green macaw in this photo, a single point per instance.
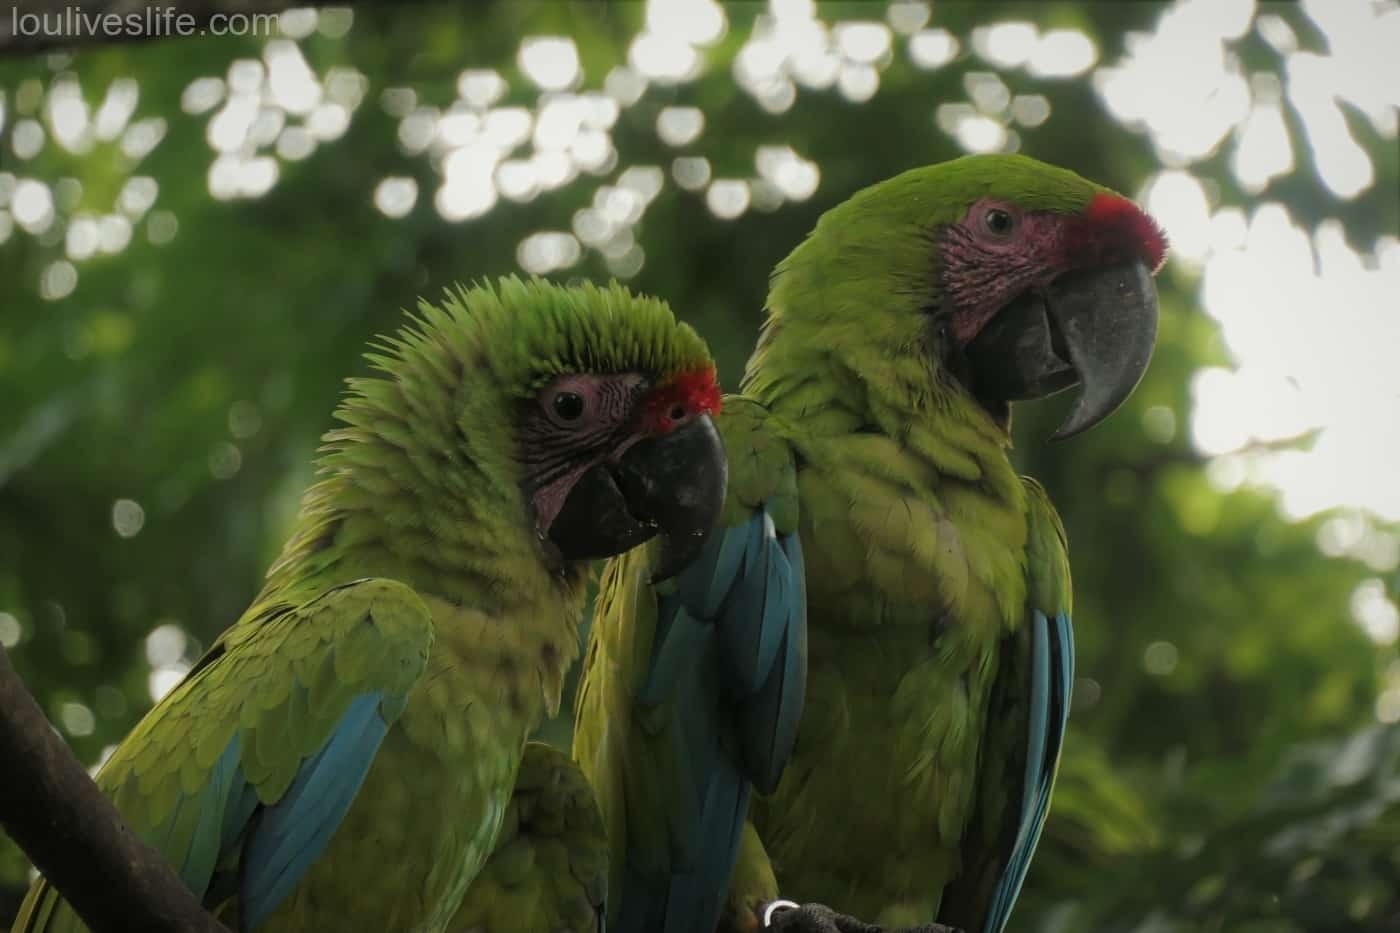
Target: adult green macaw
pixel 343 756
pixel 879 554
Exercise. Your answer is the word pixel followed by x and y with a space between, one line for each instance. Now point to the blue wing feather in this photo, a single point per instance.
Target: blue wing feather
pixel 685 640
pixel 732 548
pixel 279 846
pixel 293 832
pixel 196 859
pixel 224 783
pixel 1052 681
pixel 730 658
pixel 743 639
pixel 769 723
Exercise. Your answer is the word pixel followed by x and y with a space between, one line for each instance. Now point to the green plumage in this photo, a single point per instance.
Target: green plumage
pixel 414 577
pixel 549 869
pixel 636 754
pixel 548 872
pixel 926 557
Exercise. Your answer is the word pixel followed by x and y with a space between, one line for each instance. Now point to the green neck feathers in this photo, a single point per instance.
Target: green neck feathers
pixel 849 347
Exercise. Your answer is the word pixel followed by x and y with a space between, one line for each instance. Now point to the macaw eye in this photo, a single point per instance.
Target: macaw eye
pixel 999 222
pixel 568 406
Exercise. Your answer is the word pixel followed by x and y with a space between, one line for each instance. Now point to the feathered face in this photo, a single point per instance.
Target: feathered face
pixel 997 251
pixel 595 402
pixel 1020 279
pixel 1036 300
pixel 609 460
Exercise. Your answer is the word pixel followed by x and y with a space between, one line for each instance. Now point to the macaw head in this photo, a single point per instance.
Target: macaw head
pixel 1013 278
pixel 582 414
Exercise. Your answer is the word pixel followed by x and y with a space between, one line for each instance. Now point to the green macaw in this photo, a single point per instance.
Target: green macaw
pixel 343 756
pixel 883 576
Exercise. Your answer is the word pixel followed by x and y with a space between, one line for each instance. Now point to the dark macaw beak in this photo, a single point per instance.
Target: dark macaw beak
pixel 672 486
pixel 1092 327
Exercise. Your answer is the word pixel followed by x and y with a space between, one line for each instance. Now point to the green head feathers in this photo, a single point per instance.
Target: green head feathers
pixel 883 239
pixel 526 333
pixel 460 370
pixel 933 194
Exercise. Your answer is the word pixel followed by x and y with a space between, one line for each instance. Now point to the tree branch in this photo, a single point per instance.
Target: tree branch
pixel 76 837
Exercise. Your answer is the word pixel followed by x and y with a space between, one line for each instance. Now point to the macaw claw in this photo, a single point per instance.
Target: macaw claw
pixel 787 917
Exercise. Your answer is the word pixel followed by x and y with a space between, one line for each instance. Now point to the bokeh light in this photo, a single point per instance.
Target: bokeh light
pixel 1239 104
pixel 1263 278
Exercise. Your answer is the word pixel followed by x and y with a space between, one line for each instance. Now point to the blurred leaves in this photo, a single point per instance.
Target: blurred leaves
pixel 217 252
pixel 1318 851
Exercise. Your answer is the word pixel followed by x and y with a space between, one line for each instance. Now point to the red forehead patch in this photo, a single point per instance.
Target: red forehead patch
pixel 1112 221
pixel 689 395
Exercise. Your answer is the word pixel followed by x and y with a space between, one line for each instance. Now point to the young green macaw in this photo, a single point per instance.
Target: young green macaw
pixel 880 564
pixel 343 755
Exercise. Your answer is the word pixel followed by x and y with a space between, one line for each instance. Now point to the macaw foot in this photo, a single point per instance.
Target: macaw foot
pixel 787 917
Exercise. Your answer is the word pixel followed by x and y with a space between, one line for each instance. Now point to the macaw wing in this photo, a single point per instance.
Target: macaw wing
pixel 1029 713
pixel 747 595
pixel 243 772
pixel 1051 663
pixel 693 691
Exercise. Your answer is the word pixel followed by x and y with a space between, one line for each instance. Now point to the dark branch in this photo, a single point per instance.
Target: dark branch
pixel 75 836
pixel 29 26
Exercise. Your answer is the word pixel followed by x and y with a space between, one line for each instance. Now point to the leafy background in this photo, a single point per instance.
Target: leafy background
pixel 197 237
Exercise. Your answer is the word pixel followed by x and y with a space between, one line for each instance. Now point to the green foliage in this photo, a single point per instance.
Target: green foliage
pixel 1223 772
pixel 1318 849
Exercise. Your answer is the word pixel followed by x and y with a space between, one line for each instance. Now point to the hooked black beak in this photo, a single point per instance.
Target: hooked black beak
pixel 1093 327
pixel 672 485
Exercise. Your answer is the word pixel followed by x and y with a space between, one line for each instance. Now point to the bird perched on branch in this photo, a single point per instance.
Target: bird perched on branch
pixel 343 756
pixel 877 639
